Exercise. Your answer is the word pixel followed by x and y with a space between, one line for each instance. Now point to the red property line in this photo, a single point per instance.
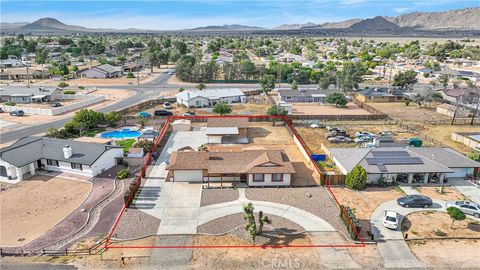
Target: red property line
pixel 286 120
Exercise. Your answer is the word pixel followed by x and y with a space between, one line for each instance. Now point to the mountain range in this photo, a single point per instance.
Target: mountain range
pixel 461 19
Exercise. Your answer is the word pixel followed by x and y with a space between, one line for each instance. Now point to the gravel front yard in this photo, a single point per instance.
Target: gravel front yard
pixel 135 224
pixel 228 223
pixel 319 204
pixel 214 196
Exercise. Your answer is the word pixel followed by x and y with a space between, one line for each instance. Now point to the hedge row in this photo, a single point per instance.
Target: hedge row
pixel 131 189
pixel 353 219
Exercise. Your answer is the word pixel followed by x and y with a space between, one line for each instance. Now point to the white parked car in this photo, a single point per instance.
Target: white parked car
pixel 390 219
pixel 167 105
pixel 314 126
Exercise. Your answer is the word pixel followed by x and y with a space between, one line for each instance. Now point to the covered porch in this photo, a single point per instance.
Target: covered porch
pixel 224 180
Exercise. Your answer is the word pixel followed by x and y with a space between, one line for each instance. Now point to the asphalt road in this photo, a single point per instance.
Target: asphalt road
pixel 142 92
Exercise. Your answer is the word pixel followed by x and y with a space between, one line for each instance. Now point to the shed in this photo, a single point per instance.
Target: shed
pixel 181 125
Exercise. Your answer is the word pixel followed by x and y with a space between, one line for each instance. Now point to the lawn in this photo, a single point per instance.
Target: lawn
pixel 126 144
pixel 94 132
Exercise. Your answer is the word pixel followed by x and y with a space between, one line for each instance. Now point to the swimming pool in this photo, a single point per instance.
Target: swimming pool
pixel 476 137
pixel 125 133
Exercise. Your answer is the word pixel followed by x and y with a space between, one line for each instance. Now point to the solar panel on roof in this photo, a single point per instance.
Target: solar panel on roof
pixel 390 154
pixel 394 160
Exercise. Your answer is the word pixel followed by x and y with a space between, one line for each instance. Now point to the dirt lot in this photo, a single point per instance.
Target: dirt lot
pixel 449 193
pixel 447 254
pixel 144 77
pixel 237 109
pixel 365 202
pixel 309 109
pixel 443 134
pixel 399 111
pixel 424 224
pixel 234 258
pixel 35 205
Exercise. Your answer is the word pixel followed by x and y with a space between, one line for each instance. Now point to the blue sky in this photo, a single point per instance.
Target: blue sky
pixel 169 15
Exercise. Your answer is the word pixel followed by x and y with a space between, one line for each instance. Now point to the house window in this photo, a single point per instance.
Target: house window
pixel 258 177
pixel 76 166
pixel 277 177
pixel 198 103
pixel 51 162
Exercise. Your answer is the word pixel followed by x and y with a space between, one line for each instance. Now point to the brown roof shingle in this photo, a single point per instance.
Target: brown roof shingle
pixel 228 122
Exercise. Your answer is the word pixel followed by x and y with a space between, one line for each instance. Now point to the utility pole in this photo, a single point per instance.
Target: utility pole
pixel 390 76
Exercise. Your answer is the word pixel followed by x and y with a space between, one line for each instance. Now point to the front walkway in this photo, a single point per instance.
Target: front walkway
pixel 308 221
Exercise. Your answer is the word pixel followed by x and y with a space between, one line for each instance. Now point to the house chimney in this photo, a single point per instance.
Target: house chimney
pixel 67 152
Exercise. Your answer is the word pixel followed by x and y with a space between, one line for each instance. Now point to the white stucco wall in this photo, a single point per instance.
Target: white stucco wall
pixel 106 161
pixel 188 176
pixel 459 172
pixel 268 181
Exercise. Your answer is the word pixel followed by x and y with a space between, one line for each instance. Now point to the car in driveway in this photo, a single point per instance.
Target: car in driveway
pixel 55 104
pixel 17 113
pixel 390 219
pixel 466 207
pixel 415 201
pixel 162 113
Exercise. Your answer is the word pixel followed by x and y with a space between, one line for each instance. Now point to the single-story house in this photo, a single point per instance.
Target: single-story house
pixel 23 74
pixel 466 93
pixel 9 63
pixel 302 95
pixel 101 71
pixel 380 94
pixel 29 154
pixel 227 130
pixel 255 167
pixel 458 73
pixel 130 67
pixel 32 94
pixel 419 164
pixel 209 97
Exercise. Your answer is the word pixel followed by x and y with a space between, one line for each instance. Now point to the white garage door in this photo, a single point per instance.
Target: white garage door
pixel 459 172
pixel 188 176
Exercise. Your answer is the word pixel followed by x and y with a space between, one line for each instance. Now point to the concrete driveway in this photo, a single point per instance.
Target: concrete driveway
pixel 466 188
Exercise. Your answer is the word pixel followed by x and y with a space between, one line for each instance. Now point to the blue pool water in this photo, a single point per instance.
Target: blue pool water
pixel 121 134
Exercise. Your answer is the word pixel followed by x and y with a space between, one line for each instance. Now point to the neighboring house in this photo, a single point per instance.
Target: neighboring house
pixel 101 71
pixel 227 130
pixel 255 167
pixel 419 164
pixel 23 74
pixel 27 155
pixel 209 97
pixel 29 94
pixel 467 94
pixel 302 95
pixel 449 110
pixel 377 94
pixel 458 74
pixel 130 67
pixel 11 63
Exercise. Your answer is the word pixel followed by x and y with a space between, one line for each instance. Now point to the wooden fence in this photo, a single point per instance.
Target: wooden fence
pixel 93 250
pixel 368 108
pixel 334 179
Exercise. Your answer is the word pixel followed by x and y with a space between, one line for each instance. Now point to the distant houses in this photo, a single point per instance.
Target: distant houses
pixel 102 72
pixel 302 95
pixel 23 74
pixel 209 97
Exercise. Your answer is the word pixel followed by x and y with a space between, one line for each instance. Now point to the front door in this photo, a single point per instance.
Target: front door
pixel 243 177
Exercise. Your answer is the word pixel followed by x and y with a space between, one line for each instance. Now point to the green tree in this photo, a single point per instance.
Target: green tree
pixel 350 76
pixel 41 57
pixel 294 85
pixel 474 156
pixel 443 80
pixel 276 110
pixel 88 117
pixel 405 79
pixel 357 178
pixel 267 82
pixel 130 75
pixel 336 98
pixel 112 118
pixel 455 214
pixel 251 226
pixel 437 96
pixel 62 85
pixel 201 86
pixel 145 144
pixel 222 108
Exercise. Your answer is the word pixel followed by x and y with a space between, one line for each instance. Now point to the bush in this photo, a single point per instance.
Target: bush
pixel 357 178
pixel 336 98
pixel 145 144
pixel 10 103
pixel 133 189
pixel 69 92
pixel 122 174
pixel 356 223
pixel 439 232
pixel 455 214
pixel 130 75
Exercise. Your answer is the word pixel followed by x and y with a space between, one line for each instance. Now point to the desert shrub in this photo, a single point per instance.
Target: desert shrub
pixel 439 232
pixel 69 92
pixel 356 223
pixel 133 189
pixel 122 174
pixel 10 103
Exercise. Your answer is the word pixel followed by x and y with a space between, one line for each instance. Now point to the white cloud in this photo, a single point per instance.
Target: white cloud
pixel 401 9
